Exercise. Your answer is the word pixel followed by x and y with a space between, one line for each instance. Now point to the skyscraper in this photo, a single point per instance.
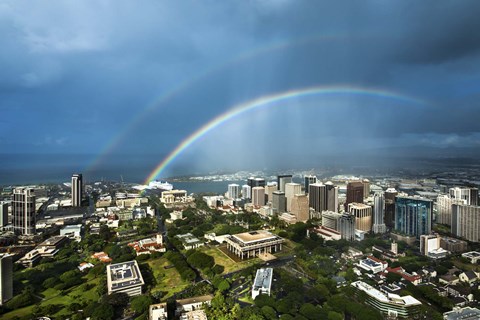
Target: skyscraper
pixel 291 189
pixel 317 195
pixel 379 213
pixel 3 213
pixel 309 180
pixel 413 216
pixel 363 216
pixel 300 207
pixel 256 182
pixel 23 210
pixel 6 277
pixel 332 196
pixel 233 191
pixel 77 190
pixel 278 202
pixel 246 192
pixel 269 189
pixel 282 180
pixel 354 193
pixel 330 219
pixel 390 195
pixel 444 208
pixel 366 188
pixel 468 194
pixel 466 222
pixel 346 226
pixel 258 196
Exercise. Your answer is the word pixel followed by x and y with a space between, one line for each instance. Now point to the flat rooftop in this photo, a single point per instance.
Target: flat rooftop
pixel 263 278
pixel 252 236
pixel 386 298
pixel 124 275
pixel 471 254
pixel 200 299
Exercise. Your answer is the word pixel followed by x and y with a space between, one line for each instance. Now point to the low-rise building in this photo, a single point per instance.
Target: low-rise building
pixel 392 305
pixel 73 232
pixel 102 256
pixel 158 311
pixel 148 245
pixel 253 243
pixel 467 313
pixel 192 304
pixel 30 259
pixel 84 266
pixel 372 264
pixel 189 241
pixel 326 233
pixel 415 279
pixel 473 256
pixel 263 282
pixel 194 315
pixel 468 276
pixel 453 245
pixel 125 277
pixel 51 246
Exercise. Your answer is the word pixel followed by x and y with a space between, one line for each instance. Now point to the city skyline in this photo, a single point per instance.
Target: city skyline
pixel 163 81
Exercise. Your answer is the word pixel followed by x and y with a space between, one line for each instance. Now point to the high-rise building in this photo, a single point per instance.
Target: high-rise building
pixel 379 213
pixel 317 195
pixel 279 202
pixel 269 189
pixel 6 277
pixel 466 222
pixel 23 210
pixel 346 226
pixel 366 188
pixel 256 182
pixel 363 216
pixel 77 190
pixel 444 208
pixel 233 191
pixel 300 207
pixel 413 215
pixel 291 189
pixel 246 192
pixel 332 196
pixel 258 196
pixel 468 194
pixel 308 180
pixel 354 193
pixel 390 195
pixel 330 219
pixel 283 180
pixel 3 213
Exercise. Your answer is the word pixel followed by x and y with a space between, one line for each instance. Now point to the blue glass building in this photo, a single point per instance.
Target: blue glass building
pixel 413 216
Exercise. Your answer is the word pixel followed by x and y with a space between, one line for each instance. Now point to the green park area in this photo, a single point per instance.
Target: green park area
pixel 167 279
pixel 221 258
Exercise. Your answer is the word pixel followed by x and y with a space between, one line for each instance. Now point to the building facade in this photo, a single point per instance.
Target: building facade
pixel 346 226
pixel 279 202
pixel 251 244
pixel 77 190
pixel 470 195
pixel 390 196
pixel 3 213
pixel 363 216
pixel 258 196
pixel 330 219
pixel 291 189
pixel 6 281
pixel 233 191
pixel 379 214
pixel 466 222
pixel 413 216
pixel 300 207
pixel 282 180
pixel 125 277
pixel 444 208
pixel 307 181
pixel 355 192
pixel 23 210
pixel 246 192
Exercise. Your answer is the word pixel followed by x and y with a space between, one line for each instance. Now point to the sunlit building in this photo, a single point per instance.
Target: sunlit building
pixel 379 214
pixel 308 180
pixel 470 195
pixel 233 191
pixel 444 208
pixel 466 222
pixel 291 189
pixel 23 210
pixel 363 216
pixel 300 207
pixel 258 196
pixel 282 180
pixel 77 190
pixel 125 277
pixel 251 244
pixel 279 202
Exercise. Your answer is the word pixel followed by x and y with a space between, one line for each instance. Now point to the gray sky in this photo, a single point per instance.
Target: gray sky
pixel 123 77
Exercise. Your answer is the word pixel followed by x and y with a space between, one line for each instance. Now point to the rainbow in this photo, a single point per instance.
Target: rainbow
pixel 185 85
pixel 269 100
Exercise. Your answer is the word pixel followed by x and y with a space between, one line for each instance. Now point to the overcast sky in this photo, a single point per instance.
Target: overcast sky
pixel 97 77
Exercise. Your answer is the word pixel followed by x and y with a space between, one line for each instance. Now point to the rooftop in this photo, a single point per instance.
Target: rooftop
pixel 124 274
pixel 253 236
pixel 386 298
pixel 263 279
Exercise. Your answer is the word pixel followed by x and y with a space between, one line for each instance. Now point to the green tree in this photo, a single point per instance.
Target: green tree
pixel 140 304
pixel 269 313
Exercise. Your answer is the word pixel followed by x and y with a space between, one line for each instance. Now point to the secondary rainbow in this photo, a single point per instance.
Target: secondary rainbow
pixel 269 100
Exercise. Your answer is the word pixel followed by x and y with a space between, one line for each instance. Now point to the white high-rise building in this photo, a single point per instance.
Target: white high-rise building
pixel 291 189
pixel 468 194
pixel 308 180
pixel 258 196
pixel 23 210
pixel 6 277
pixel 77 190
pixel 444 208
pixel 379 214
pixel 233 191
pixel 246 192
pixel 466 222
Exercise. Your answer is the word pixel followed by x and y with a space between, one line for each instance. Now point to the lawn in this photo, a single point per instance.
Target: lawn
pixel 229 264
pixel 168 280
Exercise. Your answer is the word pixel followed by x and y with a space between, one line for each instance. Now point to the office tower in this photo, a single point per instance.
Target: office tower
pixel 258 196
pixel 6 277
pixel 23 210
pixel 390 196
pixel 282 181
pixel 77 190
pixel 466 222
pixel 233 191
pixel 3 213
pixel 468 194
pixel 413 215
pixel 279 202
pixel 332 196
pixel 291 189
pixel 363 216
pixel 366 188
pixel 444 208
pixel 330 219
pixel 346 226
pixel 308 180
pixel 354 193
pixel 317 195
pixel 379 213
pixel 269 189
pixel 255 182
pixel 300 207
pixel 246 192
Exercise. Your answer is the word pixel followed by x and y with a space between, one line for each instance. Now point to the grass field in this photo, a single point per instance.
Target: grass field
pixel 222 259
pixel 168 280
